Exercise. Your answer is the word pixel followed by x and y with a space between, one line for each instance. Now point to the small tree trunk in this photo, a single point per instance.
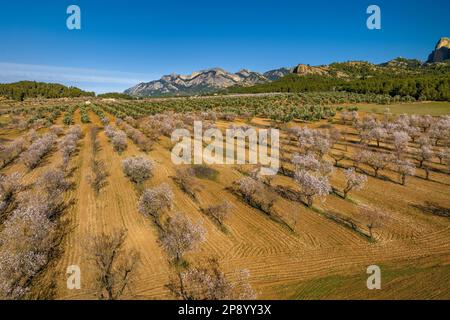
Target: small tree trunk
pixel 309 201
pixel 370 231
pixel 182 293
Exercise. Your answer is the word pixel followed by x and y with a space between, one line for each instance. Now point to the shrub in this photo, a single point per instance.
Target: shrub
pixel 208 282
pixel 220 212
pixel 119 141
pixel 138 168
pixel 185 179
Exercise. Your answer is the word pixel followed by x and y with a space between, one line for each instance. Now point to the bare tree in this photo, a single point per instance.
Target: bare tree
pixel 154 201
pixel 335 135
pixel 114 265
pixel 355 181
pixel 220 212
pixel 99 175
pixel 374 218
pixel 185 179
pixel 337 157
pixel 138 168
pixel 208 282
pixel 181 235
pixel 95 146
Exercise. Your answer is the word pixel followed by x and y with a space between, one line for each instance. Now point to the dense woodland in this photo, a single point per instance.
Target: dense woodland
pixel 31 89
pixel 405 79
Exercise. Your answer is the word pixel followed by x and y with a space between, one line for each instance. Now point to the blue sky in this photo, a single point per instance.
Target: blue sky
pixel 124 42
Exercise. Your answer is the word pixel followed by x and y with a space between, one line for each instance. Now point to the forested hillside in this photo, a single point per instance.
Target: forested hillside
pixel 31 89
pixel 399 77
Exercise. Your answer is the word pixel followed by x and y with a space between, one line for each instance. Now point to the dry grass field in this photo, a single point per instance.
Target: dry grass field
pixel 317 252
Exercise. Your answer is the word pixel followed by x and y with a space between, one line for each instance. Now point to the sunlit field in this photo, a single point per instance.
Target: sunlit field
pixel 356 187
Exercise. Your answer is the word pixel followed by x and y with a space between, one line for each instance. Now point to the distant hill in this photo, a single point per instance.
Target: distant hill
pixel 31 89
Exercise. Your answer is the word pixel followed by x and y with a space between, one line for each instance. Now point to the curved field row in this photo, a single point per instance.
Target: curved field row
pixel 282 264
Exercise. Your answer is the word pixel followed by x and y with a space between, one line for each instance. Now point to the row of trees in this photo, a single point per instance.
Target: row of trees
pixel 142 141
pixel 99 175
pixel 29 233
pixel 307 106
pixel 38 150
pixel 178 235
pixel 419 83
pixel 10 152
pixel 68 144
pixel 406 139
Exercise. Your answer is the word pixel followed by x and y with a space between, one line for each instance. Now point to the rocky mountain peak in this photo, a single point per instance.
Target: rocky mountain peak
pixel 441 51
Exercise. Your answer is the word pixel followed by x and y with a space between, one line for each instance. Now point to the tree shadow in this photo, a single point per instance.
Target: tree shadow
pixel 433 208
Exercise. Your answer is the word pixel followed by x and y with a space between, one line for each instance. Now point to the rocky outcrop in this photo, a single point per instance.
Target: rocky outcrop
pixel 303 70
pixel 441 52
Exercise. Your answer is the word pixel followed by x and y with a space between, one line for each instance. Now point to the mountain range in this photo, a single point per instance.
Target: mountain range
pixel 215 79
pixel 203 81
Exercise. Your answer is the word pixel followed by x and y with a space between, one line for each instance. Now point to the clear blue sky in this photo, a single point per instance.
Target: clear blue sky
pixel 123 42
